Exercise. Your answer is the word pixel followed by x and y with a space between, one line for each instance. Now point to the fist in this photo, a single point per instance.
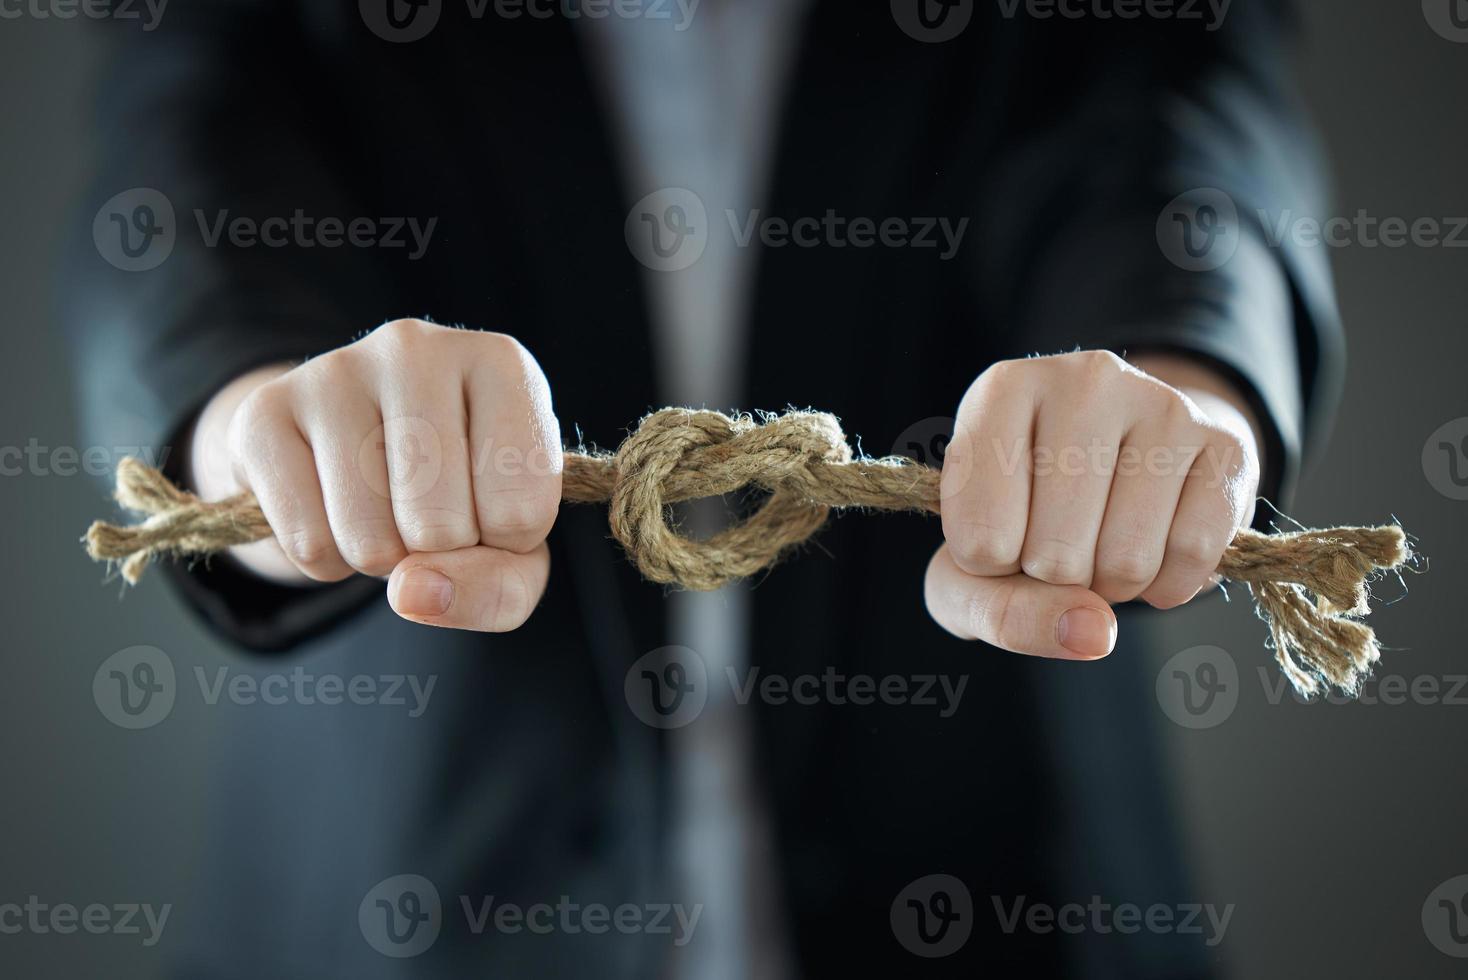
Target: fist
pixel 1077 481
pixel 423 453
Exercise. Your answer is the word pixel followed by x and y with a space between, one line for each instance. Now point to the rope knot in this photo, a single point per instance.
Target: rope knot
pixel 682 454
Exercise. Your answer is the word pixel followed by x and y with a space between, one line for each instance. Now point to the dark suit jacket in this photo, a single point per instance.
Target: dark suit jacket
pixel 529 778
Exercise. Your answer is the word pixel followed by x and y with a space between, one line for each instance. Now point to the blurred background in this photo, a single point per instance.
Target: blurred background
pixel 1329 826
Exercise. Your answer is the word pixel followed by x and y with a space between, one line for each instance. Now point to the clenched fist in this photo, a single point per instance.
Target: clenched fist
pixel 420 452
pixel 1077 481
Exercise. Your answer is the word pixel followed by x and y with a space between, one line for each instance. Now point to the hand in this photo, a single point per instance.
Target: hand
pixel 423 453
pixel 1077 481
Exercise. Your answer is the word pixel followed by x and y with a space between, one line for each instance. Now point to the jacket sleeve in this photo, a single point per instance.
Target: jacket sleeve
pixel 1139 206
pixel 220 113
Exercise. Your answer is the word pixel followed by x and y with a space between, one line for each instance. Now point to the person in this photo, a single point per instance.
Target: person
pixel 402 275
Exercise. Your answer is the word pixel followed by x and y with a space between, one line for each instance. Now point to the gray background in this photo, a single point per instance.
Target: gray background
pixel 1327 825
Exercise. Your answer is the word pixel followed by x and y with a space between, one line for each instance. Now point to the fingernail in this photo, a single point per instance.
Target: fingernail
pixel 1087 632
pixel 421 592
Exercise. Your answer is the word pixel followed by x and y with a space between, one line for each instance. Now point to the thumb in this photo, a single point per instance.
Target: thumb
pixel 477 588
pixel 1018 613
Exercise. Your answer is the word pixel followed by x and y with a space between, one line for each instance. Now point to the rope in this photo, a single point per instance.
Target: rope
pixel 1309 586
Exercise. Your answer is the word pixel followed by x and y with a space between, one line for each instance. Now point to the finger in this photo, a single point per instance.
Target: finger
pixel 1018 613
pixel 1075 449
pixel 477 588
pixel 423 427
pixel 985 490
pixel 271 458
pixel 1216 499
pixel 1151 470
pixel 516 446
pixel 345 435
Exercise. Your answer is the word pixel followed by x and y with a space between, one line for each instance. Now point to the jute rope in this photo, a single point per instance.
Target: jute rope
pixel 1309 586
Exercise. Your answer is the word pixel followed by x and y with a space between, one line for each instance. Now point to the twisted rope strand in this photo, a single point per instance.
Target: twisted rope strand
pixel 1309 586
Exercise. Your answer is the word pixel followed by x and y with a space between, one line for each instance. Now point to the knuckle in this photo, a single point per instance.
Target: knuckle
pixel 502 342
pixel 1057 562
pixel 996 617
pixel 989 386
pixel 255 425
pixel 1234 458
pixel 529 514
pixel 312 549
pixel 980 544
pixel 1177 409
pixel 439 532
pixel 404 334
pixel 324 368
pixel 266 404
pixel 1172 589
pixel 1099 364
pixel 371 550
pixel 1160 403
pixel 1129 564
pixel 502 361
pixel 1001 371
pixel 509 600
pixel 1195 545
pixel 501 350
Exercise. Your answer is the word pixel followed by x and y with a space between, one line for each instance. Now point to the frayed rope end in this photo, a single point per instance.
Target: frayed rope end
pixel 178 522
pixel 1310 588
